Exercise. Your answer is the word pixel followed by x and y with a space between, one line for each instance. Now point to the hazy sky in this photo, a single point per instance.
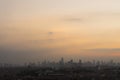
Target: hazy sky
pixel 35 30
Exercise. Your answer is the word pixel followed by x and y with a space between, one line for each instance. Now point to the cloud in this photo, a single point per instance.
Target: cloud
pixel 104 50
pixel 90 16
pixel 20 56
pixel 50 33
pixel 104 53
pixel 12 55
pixel 73 19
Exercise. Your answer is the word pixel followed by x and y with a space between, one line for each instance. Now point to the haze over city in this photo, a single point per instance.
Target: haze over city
pixel 37 30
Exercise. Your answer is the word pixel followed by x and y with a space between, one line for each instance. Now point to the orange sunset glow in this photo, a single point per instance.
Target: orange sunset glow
pixel 35 30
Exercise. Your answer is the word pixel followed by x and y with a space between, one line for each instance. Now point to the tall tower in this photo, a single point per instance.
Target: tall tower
pixel 80 61
pixel 62 61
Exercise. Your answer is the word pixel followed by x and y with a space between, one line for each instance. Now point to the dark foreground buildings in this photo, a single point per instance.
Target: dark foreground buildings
pixel 63 71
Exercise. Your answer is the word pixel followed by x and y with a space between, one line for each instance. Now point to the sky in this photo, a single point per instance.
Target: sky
pixel 37 30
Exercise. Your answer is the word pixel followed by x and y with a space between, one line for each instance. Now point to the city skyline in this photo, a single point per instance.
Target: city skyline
pixel 65 63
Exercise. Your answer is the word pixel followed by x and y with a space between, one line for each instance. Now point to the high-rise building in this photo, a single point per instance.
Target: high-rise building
pixel 61 61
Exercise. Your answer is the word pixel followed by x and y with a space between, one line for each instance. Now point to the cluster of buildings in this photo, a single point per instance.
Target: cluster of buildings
pixel 72 63
pixel 63 63
pixel 61 70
